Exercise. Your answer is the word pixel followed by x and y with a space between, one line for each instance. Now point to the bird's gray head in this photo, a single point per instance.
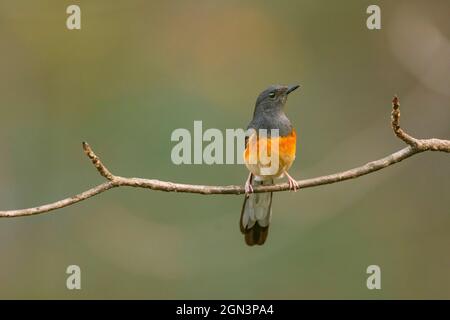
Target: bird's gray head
pixel 273 98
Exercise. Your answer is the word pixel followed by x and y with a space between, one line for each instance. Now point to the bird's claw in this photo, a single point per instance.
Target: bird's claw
pixel 293 184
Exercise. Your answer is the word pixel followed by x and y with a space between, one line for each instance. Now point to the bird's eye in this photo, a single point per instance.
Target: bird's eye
pixel 272 95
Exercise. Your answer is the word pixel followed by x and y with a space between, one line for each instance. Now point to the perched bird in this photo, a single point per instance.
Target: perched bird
pixel 268 115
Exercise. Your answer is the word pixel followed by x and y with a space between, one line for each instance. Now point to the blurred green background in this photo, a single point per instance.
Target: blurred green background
pixel 139 69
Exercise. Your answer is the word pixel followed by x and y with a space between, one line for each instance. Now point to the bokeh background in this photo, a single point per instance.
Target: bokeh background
pixel 139 69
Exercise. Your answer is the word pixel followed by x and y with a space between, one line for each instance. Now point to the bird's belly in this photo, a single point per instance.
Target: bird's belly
pixel 261 165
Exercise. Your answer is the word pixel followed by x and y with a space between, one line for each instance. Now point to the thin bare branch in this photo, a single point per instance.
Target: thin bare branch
pixel 414 146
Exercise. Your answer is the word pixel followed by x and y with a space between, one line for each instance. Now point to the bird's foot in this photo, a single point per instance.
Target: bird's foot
pixel 248 186
pixel 293 184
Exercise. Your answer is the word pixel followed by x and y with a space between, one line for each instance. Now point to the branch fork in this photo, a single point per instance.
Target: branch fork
pixel 432 144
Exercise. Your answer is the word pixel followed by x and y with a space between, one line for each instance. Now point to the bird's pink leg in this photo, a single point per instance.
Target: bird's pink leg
pixel 248 185
pixel 293 185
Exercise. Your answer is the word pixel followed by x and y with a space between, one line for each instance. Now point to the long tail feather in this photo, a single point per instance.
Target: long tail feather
pixel 255 216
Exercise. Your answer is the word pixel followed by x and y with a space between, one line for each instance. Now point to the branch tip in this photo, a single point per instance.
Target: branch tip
pixel 395 102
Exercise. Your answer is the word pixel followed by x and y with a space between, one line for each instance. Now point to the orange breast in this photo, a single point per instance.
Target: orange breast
pixel 285 153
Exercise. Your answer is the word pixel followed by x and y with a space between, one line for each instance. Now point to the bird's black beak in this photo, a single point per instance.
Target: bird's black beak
pixel 292 88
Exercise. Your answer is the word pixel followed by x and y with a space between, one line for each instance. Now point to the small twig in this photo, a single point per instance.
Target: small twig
pixel 414 146
pixel 96 162
pixel 396 124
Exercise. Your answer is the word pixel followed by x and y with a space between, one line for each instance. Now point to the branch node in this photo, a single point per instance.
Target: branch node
pixel 97 162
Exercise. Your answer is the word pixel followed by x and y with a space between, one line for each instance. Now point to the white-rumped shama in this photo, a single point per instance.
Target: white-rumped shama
pixel 269 114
